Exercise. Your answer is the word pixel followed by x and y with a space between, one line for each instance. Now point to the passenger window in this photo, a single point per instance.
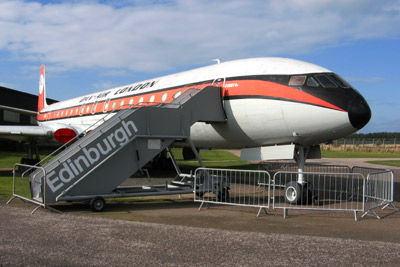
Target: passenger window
pixel 325 81
pixel 297 80
pixel 312 82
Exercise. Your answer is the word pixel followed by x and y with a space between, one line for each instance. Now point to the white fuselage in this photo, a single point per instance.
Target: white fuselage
pixel 258 112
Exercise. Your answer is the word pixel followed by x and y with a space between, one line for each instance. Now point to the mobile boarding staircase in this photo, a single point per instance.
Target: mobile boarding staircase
pixel 93 167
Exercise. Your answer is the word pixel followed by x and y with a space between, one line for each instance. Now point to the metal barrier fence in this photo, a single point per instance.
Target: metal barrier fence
pixel 232 187
pixel 22 185
pixel 379 191
pixel 323 191
pixel 348 190
pixel 275 166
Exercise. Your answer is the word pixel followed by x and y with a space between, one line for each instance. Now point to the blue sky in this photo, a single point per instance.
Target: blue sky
pixel 93 45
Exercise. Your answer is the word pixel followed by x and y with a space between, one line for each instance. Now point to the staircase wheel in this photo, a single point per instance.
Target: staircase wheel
pixel 97 204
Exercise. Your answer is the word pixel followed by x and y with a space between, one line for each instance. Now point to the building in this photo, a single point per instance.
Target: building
pixel 14 99
pixel 18 100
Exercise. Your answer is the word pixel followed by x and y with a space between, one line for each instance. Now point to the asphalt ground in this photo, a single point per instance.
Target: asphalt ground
pixel 175 233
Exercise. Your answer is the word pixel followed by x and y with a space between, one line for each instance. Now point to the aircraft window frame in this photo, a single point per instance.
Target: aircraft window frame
pixel 338 80
pixel 177 94
pixel 325 81
pixel 152 98
pixel 297 80
pixel 312 82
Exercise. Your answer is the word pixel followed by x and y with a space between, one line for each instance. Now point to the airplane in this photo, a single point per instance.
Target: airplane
pixel 276 108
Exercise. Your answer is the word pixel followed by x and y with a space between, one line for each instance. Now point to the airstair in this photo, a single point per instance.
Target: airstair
pixel 95 165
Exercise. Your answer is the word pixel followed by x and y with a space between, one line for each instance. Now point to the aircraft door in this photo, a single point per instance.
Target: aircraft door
pixel 219 82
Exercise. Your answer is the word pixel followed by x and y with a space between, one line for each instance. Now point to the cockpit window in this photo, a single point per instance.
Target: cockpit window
pixel 312 82
pixel 325 81
pixel 297 80
pixel 338 80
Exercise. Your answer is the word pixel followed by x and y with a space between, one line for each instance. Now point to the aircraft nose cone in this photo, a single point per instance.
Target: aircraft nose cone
pixel 359 112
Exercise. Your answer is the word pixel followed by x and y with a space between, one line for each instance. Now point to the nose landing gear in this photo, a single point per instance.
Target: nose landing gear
pixel 299 192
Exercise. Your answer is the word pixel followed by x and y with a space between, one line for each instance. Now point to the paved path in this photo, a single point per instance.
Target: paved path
pixel 220 236
pixel 49 239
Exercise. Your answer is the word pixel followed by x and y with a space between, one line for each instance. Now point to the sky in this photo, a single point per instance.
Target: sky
pixel 89 46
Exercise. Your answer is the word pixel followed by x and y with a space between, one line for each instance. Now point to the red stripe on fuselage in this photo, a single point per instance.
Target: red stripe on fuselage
pixel 273 90
pixel 232 88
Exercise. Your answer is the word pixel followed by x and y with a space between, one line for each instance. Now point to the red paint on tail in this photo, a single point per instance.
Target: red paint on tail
pixel 42 90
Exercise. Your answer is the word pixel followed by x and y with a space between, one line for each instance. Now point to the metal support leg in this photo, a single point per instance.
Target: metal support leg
pixel 301 162
pixel 9 201
pixel 196 153
pixel 202 203
pixel 176 166
pixel 259 211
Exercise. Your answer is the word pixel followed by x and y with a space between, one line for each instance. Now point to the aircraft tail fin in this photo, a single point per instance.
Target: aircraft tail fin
pixel 42 90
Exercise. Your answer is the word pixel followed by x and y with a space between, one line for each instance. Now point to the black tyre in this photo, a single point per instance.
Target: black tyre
pixel 308 195
pixel 97 204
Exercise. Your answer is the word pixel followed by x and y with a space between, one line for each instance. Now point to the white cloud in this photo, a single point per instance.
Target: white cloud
pixel 142 36
pixel 366 79
pixel 7 85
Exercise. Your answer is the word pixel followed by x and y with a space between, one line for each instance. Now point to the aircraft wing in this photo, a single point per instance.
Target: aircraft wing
pixel 19 110
pixel 26 133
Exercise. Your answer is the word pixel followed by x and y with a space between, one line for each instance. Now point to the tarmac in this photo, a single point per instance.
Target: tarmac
pixel 174 233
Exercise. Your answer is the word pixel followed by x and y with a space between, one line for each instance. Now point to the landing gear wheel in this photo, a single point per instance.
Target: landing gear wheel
pixel 293 192
pixel 308 195
pixel 296 193
pixel 97 204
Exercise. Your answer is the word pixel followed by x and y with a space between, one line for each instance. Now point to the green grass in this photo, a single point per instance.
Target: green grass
pixel 8 159
pixel 213 159
pixel 5 187
pixel 394 163
pixel 351 154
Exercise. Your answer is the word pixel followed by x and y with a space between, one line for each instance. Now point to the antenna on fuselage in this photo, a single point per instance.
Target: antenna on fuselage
pixel 217 60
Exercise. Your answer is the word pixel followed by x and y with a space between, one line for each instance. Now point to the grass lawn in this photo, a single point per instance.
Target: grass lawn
pixel 355 154
pixel 211 159
pixel 5 187
pixel 394 163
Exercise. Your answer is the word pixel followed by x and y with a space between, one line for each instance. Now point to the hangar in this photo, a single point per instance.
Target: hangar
pixel 10 102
